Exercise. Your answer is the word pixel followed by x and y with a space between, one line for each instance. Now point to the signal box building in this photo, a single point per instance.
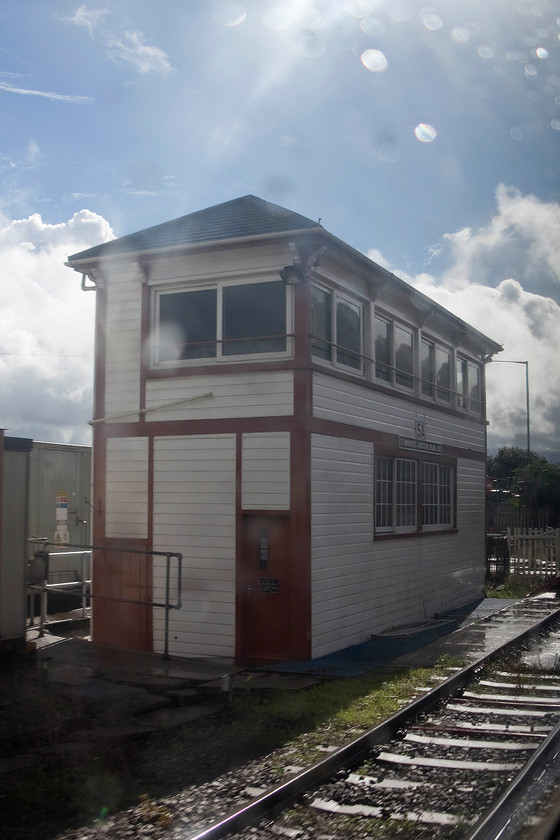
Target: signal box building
pixel 304 427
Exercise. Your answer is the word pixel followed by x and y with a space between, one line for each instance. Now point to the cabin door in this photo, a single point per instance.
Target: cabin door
pixel 265 587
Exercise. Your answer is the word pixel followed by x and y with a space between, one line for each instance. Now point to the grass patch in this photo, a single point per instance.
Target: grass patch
pixel 296 725
pixel 72 783
pixel 515 586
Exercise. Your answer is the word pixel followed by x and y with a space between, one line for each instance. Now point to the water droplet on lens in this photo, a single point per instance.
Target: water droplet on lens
pixel 432 22
pixel 516 133
pixel 373 26
pixel 485 51
pixel 425 133
pixel 531 71
pixel 360 8
pixel 460 35
pixel 312 46
pixel 541 52
pixel 388 153
pixel 374 61
pixel 230 14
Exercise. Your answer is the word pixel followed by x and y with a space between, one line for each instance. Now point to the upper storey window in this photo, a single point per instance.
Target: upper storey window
pixel 336 328
pixel 221 322
pixel 435 363
pixel 468 386
pixel 394 356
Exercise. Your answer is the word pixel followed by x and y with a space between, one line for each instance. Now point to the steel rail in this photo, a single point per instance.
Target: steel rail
pixel 503 819
pixel 280 797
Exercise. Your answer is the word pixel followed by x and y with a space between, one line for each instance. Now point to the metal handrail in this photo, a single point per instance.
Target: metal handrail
pixel 166 605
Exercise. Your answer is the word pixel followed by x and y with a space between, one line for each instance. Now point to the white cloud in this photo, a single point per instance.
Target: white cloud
pixel 88 18
pixel 504 280
pixel 521 241
pixel 46 328
pixel 63 97
pixel 128 47
pixel 131 49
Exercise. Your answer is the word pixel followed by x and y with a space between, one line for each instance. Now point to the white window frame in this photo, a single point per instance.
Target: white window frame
pixel 337 351
pixel 434 386
pixel 438 496
pixel 464 399
pixel 393 371
pixel 396 495
pixel 220 358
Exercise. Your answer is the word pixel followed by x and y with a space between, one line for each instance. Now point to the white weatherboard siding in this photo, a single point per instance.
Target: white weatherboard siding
pixel 341 533
pixel 266 471
pixel 220 396
pixel 126 488
pixel 362 586
pixel 194 513
pixel 351 403
pixel 122 375
pixel 206 266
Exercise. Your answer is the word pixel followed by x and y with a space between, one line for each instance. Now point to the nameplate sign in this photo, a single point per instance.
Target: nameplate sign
pixel 420 445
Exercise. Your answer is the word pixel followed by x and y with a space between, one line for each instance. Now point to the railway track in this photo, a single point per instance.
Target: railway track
pixel 477 757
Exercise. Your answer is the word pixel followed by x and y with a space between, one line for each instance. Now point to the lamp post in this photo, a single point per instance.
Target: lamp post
pixel 516 362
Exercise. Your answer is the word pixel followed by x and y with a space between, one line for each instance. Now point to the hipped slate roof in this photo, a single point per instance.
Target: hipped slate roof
pixel 241 217
pixel 247 218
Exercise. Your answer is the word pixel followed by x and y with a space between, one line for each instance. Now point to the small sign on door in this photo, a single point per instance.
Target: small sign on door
pixel 269 585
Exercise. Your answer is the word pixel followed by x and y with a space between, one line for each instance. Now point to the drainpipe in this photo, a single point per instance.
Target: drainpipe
pixel 93 287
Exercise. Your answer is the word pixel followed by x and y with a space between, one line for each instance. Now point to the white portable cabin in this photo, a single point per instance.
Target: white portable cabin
pixel 45 491
pixel 303 426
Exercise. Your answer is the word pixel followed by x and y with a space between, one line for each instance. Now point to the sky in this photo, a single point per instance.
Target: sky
pixel 426 136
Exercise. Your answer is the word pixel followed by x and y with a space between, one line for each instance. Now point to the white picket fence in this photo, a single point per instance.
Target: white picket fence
pixel 534 551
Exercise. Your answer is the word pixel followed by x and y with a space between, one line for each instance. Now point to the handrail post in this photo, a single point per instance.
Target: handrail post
pixel 167 574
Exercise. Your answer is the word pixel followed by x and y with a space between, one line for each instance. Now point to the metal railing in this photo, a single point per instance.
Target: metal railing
pixel 40 585
pixel 43 554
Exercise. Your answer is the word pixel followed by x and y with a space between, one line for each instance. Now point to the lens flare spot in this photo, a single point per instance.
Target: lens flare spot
pixel 531 71
pixel 312 46
pixel 374 61
pixel 425 133
pixel 432 22
pixel 485 51
pixel 230 14
pixel 277 18
pixel 460 35
pixel 398 12
pixel 308 17
pixel 541 53
pixel 360 8
pixel 388 153
pixel 373 26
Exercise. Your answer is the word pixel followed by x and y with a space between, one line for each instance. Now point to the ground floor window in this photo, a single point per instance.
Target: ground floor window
pixel 395 494
pixel 412 496
pixel 437 496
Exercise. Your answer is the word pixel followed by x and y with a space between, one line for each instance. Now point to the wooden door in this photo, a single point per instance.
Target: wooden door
pixel 265 588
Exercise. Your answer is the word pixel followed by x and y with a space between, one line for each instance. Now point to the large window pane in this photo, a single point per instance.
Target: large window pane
pixel 254 318
pixel 403 357
pixel 475 404
pixel 321 323
pixel 462 383
pixel 443 375
pixel 187 325
pixel 348 335
pixel 427 365
pixel 382 349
